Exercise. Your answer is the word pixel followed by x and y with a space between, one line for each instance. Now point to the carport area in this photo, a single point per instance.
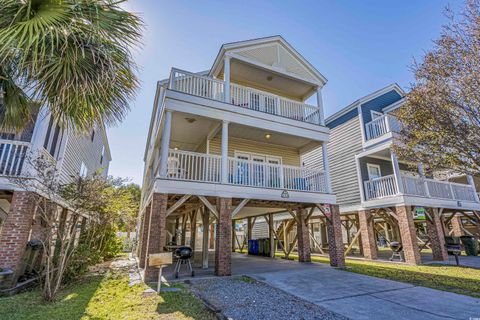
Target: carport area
pixel 352 295
pixel 242 264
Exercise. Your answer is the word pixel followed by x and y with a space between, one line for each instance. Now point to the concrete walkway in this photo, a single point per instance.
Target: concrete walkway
pixel 362 297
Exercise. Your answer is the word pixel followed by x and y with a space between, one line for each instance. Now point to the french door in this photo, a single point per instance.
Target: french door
pixel 260 170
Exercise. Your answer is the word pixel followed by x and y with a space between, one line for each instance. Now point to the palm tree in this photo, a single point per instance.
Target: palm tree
pixel 73 56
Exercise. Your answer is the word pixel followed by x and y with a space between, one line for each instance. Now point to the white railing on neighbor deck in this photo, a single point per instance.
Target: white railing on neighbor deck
pixel 418 186
pixel 244 97
pixel 12 157
pixel 193 166
pixel 380 187
pixel 380 126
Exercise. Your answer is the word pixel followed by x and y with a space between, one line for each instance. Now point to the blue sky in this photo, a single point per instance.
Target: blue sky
pixel 359 46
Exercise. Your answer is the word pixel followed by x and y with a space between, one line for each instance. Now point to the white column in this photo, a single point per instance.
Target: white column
pixel 421 172
pixel 321 116
pixel 326 167
pixel 361 185
pixel 472 183
pixel 396 171
pixel 226 77
pixel 225 151
pixel 40 129
pixel 165 143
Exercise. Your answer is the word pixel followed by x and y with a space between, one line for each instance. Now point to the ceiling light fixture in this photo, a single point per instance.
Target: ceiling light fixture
pixel 268 136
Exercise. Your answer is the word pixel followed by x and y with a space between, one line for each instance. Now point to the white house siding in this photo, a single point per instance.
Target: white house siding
pixel 345 143
pixel 290 156
pixel 80 148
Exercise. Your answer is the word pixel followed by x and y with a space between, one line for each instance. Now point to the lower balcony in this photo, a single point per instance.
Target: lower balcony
pixel 192 166
pixel 386 186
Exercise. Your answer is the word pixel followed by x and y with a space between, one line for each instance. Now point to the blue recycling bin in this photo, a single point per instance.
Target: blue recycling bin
pixel 253 247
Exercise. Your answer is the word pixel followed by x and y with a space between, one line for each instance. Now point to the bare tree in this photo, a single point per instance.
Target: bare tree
pixel 43 187
pixel 441 116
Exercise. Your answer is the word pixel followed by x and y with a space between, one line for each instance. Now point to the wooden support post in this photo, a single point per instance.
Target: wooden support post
pixel 205 227
pixel 234 236
pixel 270 235
pixel 193 231
pixel 184 229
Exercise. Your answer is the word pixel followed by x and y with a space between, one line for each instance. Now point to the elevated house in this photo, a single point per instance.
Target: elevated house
pixel 70 153
pixel 390 199
pixel 226 144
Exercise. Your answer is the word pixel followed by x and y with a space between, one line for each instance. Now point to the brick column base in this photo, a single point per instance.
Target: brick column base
pixel 408 234
pixel 223 241
pixel 437 238
pixel 157 235
pixel 368 241
pixel 335 239
pixel 303 237
pixel 14 235
pixel 144 242
pixel 457 226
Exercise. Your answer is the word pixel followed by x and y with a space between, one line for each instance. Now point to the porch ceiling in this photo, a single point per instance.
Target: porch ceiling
pixel 253 76
pixel 189 131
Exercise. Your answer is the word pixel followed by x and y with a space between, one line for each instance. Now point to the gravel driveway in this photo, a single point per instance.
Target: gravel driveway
pixel 244 298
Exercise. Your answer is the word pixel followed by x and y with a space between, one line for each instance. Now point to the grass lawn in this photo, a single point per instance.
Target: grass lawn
pixel 108 297
pixel 462 280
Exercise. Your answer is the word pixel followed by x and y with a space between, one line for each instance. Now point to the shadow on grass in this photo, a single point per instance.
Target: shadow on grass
pixel 71 303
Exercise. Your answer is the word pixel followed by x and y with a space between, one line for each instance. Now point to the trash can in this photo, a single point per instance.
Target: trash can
pixel 452 241
pixel 471 245
pixel 253 247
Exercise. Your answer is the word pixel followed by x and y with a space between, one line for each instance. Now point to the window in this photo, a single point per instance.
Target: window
pixel 374 171
pixel 83 170
pixel 376 114
pixel 102 155
pixel 93 135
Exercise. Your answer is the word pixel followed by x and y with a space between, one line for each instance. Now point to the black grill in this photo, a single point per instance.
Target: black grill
pixel 183 255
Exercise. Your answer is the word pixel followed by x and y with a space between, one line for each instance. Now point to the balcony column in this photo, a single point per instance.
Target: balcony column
pixel 421 172
pixel 165 144
pixel 320 107
pixel 326 167
pixel 361 184
pixel 396 172
pixel 226 78
pixel 224 152
pixel 472 183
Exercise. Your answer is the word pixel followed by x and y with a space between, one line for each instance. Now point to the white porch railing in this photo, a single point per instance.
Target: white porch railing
pixel 380 187
pixel 196 85
pixel 244 97
pixel 192 166
pixel 12 157
pixel 380 126
pixel 418 186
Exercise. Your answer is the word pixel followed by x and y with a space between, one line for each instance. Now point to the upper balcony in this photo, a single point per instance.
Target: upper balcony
pixel 13 157
pixel 244 97
pixel 381 126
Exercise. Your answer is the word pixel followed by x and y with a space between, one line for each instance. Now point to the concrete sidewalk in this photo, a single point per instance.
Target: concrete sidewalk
pixel 363 297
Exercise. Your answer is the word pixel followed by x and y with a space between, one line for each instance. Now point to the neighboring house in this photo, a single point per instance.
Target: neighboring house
pixel 72 154
pixel 370 182
pixel 229 142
